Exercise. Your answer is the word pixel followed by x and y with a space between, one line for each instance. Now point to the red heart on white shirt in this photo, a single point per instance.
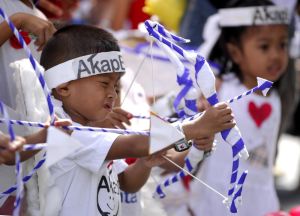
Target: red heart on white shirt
pixel 259 114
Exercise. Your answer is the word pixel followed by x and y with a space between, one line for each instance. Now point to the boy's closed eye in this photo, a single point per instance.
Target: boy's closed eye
pixel 104 83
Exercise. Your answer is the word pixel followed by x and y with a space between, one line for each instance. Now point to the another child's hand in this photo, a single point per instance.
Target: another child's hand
pixel 42 29
pixel 62 122
pixel 64 9
pixel 8 149
pixel 204 144
pixel 59 123
pixel 215 119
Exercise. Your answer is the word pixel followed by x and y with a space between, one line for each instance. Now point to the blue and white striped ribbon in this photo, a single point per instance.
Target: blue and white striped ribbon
pixel 175 178
pixel 32 147
pixel 19 185
pixel 189 94
pixel 79 128
pixel 160 29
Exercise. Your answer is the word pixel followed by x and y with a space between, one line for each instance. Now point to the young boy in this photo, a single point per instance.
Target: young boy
pixel 83 66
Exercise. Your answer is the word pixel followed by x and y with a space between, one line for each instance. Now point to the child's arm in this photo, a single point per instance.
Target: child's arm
pixel 213 120
pixel 35 138
pixel 136 174
pixel 42 29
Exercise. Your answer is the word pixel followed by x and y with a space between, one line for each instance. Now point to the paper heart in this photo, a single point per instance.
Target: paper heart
pixel 259 113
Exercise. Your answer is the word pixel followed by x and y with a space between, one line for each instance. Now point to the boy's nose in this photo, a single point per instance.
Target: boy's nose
pixel 112 94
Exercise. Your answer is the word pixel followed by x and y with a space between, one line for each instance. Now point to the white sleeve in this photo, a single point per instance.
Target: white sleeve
pixel 120 166
pixel 96 146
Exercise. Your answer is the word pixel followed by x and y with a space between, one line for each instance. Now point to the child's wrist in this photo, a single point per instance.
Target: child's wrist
pixel 186 129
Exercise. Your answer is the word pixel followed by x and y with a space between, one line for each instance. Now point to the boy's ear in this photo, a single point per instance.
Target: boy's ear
pixel 63 90
pixel 234 52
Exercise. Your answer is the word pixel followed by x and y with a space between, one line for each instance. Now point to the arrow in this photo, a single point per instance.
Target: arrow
pixel 262 85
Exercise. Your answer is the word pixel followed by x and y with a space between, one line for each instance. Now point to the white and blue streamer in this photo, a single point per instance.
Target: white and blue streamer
pixel 189 94
pixel 206 82
pixel 19 184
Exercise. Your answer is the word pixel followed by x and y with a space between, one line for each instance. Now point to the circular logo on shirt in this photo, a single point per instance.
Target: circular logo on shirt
pixel 108 194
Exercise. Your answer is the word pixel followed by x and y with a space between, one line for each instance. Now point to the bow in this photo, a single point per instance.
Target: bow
pixel 205 82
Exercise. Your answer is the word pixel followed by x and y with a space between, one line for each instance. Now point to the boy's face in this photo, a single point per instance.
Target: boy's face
pixel 91 99
pixel 263 53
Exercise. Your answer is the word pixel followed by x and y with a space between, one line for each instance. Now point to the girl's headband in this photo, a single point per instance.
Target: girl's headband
pixel 84 66
pixel 243 16
pixel 248 16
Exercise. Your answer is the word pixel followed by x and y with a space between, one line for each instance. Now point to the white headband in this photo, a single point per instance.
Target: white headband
pixel 84 66
pixel 248 16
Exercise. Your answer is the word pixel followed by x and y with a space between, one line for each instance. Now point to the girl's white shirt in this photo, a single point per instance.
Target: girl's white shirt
pixel 259 130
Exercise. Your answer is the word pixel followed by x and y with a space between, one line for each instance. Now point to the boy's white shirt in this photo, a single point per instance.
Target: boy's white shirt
pixel 87 183
pixel 131 203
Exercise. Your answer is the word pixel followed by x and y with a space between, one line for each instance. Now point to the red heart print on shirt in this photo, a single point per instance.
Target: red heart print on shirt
pixel 259 113
pixel 15 43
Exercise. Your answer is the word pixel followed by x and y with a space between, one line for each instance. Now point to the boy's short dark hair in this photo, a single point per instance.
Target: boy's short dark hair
pixel 74 41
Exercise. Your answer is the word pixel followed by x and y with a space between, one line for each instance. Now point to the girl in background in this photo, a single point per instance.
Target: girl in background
pixel 253 45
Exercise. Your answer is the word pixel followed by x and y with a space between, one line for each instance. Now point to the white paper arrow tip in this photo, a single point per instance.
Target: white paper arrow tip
pixel 261 81
pixel 60 145
pixel 162 134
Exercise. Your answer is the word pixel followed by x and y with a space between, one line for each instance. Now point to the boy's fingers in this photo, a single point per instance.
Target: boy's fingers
pixel 17 144
pixel 225 111
pixel 117 124
pixel 122 112
pixel 40 38
pixel 62 122
pixel 221 105
pixel 228 125
pixel 227 118
pixel 120 126
pixel 121 118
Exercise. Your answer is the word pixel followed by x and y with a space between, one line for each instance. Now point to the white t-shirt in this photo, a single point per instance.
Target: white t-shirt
pixel 258 119
pixel 8 54
pixel 89 184
pixel 131 203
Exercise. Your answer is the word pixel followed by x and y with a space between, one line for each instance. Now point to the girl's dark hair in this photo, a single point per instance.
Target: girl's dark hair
pixel 74 41
pixel 286 85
